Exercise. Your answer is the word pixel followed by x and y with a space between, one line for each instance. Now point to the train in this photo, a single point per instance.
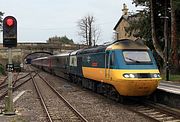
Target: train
pixel 124 68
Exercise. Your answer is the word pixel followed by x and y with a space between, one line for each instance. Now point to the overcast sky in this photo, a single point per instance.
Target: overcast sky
pixel 40 19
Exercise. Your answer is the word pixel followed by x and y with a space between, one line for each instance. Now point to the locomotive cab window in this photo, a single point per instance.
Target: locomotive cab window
pixel 136 57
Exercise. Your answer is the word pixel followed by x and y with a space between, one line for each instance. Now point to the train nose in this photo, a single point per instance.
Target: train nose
pixel 137 88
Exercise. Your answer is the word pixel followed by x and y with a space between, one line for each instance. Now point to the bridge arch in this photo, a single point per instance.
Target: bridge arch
pixel 36 55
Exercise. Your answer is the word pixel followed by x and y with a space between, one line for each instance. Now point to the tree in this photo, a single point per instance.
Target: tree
pixel 88 30
pixel 174 42
pixel 169 53
pixel 140 24
pixel 96 34
pixel 162 29
pixel 1 14
pixel 153 30
pixel 63 40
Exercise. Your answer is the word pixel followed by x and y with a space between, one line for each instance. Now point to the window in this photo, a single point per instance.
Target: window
pixel 136 56
pixel 73 61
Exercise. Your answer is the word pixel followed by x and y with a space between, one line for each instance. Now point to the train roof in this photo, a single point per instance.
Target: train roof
pixel 101 48
pixel 61 54
pixel 75 52
pixel 40 58
pixel 119 44
pixel 127 44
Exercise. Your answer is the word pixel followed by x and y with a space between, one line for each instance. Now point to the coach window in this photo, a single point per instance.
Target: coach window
pixel 57 60
pixel 72 62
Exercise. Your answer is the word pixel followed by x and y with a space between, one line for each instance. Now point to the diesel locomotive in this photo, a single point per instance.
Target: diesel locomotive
pixel 124 67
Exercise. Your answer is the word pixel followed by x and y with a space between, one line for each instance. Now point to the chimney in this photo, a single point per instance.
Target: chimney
pixel 125 9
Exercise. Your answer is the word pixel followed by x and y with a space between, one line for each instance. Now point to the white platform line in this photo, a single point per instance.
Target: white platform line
pixel 18 96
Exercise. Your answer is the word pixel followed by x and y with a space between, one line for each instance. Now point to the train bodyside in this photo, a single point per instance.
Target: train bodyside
pixel 42 62
pixel 60 65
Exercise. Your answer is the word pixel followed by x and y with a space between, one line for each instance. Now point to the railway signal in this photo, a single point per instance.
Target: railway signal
pixel 9 32
pixel 9 40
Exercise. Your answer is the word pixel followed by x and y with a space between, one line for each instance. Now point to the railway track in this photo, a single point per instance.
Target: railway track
pixel 4 86
pixel 17 82
pixel 57 108
pixel 156 112
pixel 3 80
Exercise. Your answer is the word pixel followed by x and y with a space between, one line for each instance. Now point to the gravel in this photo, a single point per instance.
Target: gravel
pixel 94 107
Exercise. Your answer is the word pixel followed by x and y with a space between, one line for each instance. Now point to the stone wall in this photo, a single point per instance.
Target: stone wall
pixel 122 34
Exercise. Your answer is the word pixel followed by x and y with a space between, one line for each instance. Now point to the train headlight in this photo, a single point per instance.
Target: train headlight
pixel 129 75
pixel 156 75
pixel 126 75
pixel 132 76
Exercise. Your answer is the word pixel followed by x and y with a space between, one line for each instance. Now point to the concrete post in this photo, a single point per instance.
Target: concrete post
pixel 9 101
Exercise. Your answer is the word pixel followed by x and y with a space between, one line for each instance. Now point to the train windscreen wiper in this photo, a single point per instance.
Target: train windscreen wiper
pixel 136 61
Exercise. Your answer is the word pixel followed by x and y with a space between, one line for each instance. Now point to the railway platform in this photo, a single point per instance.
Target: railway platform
pixel 169 86
pixel 168 93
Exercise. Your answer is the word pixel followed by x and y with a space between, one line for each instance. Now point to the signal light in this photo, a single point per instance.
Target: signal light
pixel 9 22
pixel 9 32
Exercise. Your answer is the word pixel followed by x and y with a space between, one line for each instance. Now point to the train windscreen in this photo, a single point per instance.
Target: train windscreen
pixel 136 56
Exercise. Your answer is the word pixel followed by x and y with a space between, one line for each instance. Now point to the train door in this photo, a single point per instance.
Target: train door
pixel 109 64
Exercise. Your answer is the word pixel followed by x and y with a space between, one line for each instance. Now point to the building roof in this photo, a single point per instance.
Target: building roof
pixel 125 17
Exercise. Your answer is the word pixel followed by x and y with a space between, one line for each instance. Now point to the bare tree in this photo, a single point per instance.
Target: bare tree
pixel 83 26
pixel 88 30
pixel 96 34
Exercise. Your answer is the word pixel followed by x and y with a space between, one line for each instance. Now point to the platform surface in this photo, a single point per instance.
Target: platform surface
pixel 169 86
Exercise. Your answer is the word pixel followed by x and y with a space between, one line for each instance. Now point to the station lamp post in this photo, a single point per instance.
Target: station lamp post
pixel 166 40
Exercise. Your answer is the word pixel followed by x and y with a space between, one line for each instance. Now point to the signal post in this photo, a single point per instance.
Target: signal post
pixel 9 40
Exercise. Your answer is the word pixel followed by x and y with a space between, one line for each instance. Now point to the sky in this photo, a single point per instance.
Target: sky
pixel 40 19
